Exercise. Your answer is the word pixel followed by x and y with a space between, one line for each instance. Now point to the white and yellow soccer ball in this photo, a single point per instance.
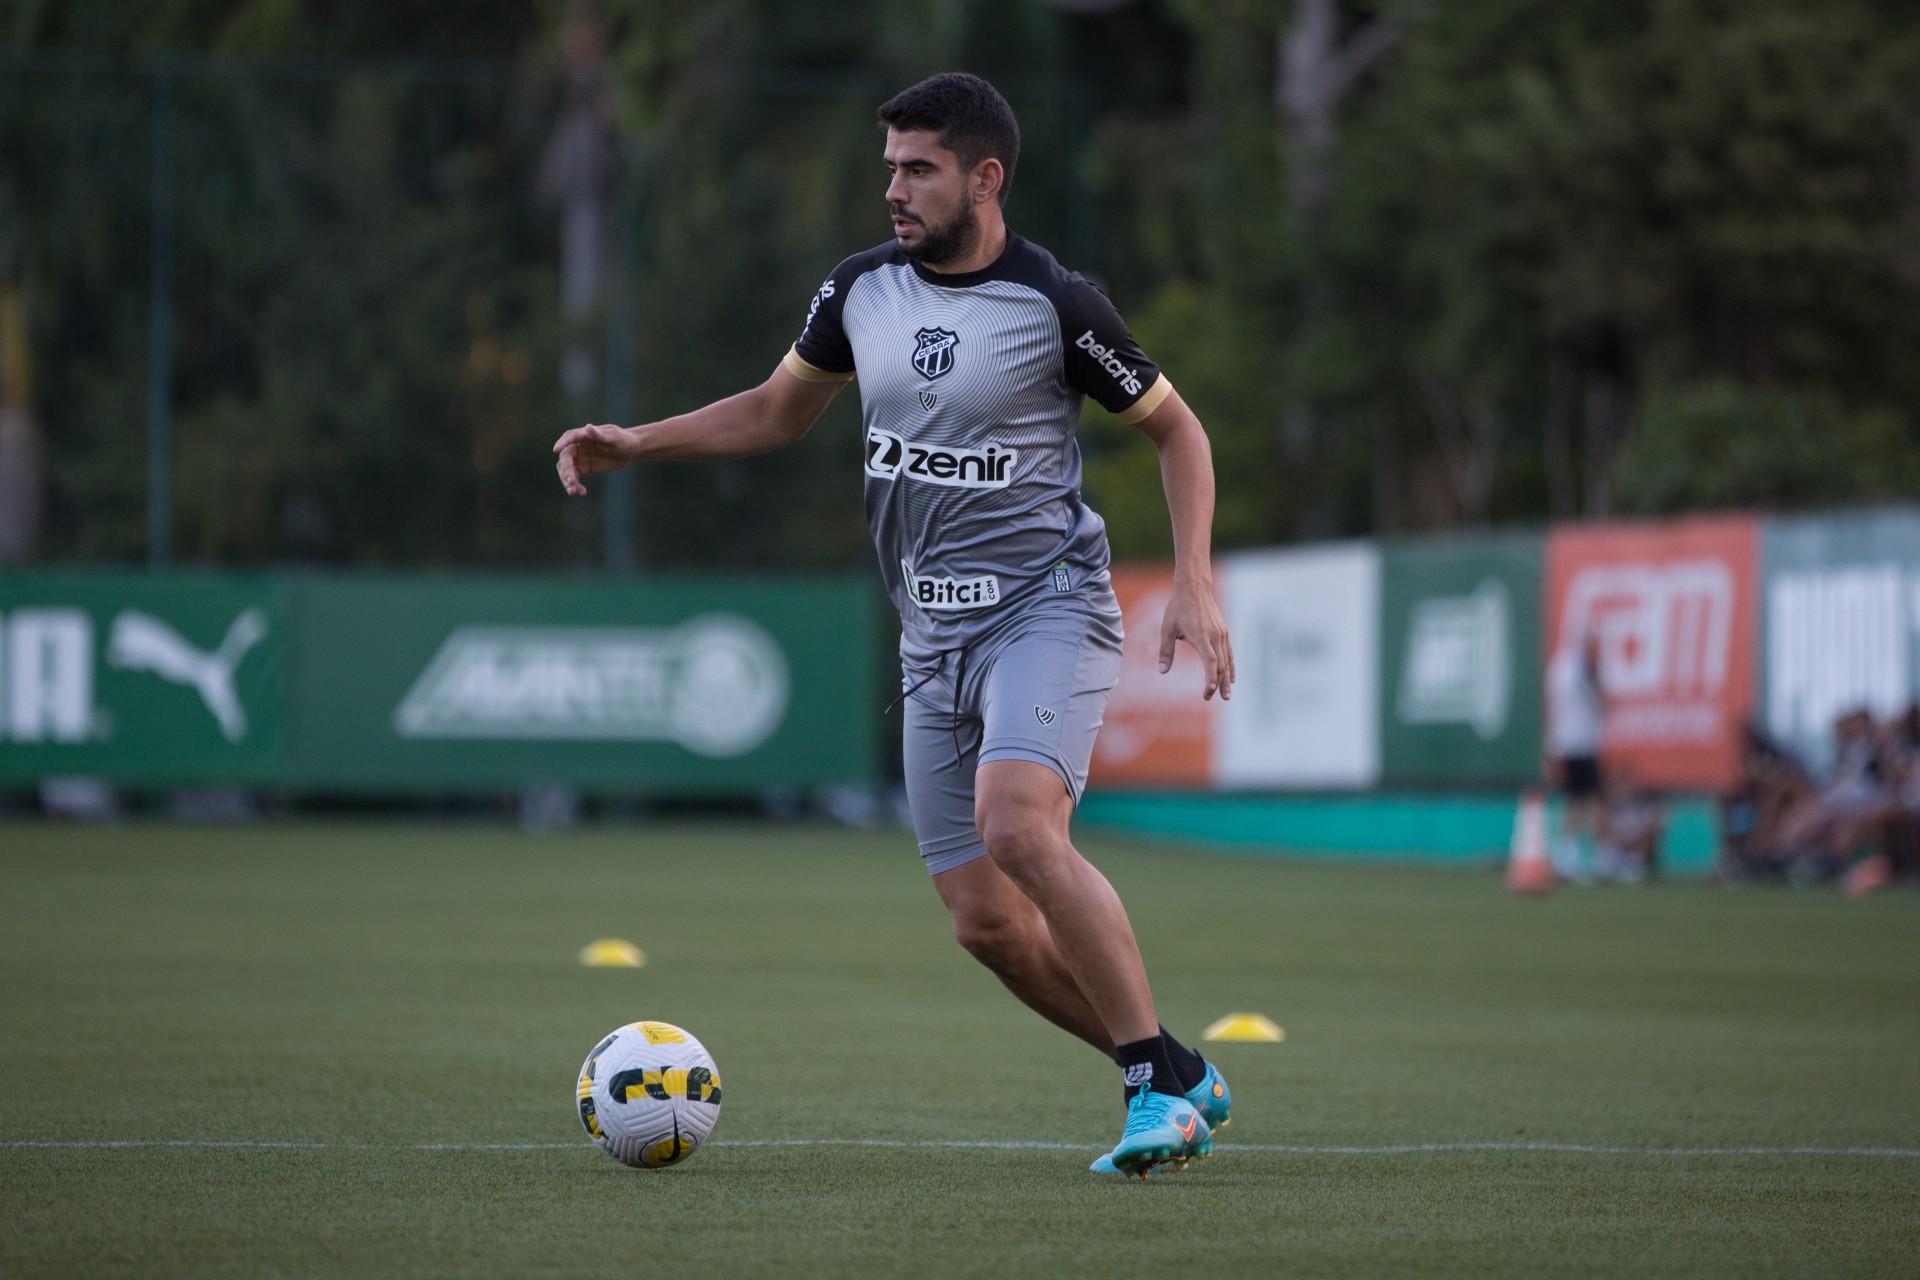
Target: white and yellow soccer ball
pixel 649 1095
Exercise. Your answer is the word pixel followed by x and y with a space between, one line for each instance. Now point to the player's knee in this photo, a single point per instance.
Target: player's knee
pixel 1021 841
pixel 994 939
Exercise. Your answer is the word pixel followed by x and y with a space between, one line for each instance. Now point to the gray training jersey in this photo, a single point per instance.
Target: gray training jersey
pixel 970 390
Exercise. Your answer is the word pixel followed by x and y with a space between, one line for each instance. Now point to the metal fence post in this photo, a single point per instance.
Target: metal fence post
pixel 160 326
pixel 618 523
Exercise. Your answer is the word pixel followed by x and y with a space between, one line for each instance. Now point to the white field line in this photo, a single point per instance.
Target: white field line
pixel 1415 1148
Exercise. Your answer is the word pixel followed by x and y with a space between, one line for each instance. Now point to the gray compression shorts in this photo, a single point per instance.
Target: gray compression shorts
pixel 1034 689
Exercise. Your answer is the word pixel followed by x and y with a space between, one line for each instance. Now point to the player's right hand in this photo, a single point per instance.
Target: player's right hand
pixel 585 450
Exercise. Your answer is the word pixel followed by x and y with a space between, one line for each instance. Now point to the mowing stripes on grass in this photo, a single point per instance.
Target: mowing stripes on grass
pixel 330 1019
pixel 1411 1148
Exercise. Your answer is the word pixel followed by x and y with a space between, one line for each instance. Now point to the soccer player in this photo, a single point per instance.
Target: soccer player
pixel 974 349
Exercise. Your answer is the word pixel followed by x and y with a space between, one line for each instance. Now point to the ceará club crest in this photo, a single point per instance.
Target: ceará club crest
pixel 933 352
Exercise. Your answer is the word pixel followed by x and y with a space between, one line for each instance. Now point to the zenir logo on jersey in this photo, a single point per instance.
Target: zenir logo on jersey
pixel 933 356
pixel 891 457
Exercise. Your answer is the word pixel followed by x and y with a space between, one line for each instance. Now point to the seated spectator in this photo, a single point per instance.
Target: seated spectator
pixel 1772 784
pixel 1896 852
pixel 1820 834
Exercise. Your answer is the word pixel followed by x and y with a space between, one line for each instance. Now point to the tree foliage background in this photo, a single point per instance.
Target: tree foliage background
pixel 1418 265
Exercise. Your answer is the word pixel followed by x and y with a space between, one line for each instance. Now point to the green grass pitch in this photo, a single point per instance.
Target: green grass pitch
pixel 398 996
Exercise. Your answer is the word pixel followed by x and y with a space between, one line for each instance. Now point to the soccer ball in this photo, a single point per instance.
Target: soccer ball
pixel 649 1095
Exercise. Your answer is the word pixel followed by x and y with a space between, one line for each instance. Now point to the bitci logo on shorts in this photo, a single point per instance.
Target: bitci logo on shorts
pixel 950 595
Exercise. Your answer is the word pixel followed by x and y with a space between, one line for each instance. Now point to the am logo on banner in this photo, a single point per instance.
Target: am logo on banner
pixel 1673 605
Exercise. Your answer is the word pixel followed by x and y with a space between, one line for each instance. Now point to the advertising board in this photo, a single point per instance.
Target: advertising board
pixel 1304 624
pixel 1842 624
pixel 1460 659
pixel 1306 640
pixel 1673 605
pixel 437 683
pixel 1158 731
pixel 151 681
pixel 663 685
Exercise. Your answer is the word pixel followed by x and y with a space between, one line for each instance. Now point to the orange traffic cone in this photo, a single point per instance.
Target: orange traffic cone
pixel 1528 870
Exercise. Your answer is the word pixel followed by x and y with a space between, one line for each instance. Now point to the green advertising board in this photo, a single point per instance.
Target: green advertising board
pixel 141 680
pixel 1460 660
pixel 662 686
pixel 420 683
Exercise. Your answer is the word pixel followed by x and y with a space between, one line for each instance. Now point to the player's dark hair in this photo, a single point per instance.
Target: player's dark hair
pixel 970 117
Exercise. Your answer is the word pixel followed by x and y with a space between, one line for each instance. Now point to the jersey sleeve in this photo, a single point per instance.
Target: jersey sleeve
pixel 1103 360
pixel 823 353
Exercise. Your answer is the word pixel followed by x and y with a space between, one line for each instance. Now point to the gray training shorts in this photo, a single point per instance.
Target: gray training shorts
pixel 1033 689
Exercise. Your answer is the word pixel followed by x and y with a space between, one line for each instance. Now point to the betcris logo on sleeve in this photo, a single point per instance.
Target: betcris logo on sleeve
pixel 825 292
pixel 1116 368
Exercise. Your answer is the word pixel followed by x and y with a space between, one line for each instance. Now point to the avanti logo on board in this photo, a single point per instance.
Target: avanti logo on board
pixel 716 685
pixel 1459 663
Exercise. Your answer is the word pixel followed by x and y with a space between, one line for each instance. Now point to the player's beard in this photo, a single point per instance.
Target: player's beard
pixel 946 241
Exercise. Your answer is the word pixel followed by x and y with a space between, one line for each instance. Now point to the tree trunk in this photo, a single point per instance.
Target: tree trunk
pixel 22 476
pixel 1387 515
pixel 1609 412
pixel 1557 438
pixel 1469 438
pixel 576 175
pixel 1316 70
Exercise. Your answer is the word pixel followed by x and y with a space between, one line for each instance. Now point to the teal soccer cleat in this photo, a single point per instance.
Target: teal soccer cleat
pixel 1161 1129
pixel 1212 1099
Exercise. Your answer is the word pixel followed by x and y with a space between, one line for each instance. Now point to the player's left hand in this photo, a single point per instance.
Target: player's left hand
pixel 1194 615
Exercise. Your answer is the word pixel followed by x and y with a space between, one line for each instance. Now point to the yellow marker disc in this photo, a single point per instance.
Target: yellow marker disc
pixel 612 953
pixel 1251 1027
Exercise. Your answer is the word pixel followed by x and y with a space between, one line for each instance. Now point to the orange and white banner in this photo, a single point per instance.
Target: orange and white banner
pixel 1673 606
pixel 1158 731
pixel 1304 712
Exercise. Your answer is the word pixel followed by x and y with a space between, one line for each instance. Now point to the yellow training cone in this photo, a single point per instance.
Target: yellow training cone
pixel 612 953
pixel 1245 1026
